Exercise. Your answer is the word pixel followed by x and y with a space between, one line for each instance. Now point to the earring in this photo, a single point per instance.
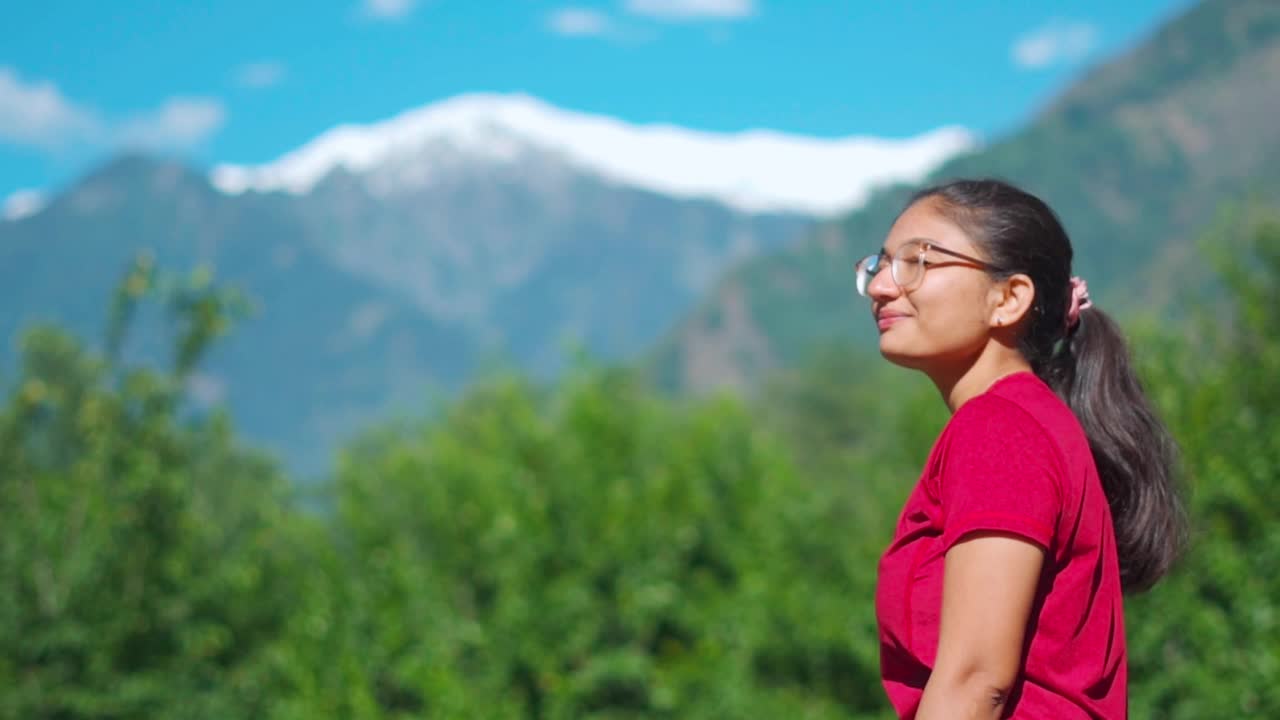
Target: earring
pixel 999 321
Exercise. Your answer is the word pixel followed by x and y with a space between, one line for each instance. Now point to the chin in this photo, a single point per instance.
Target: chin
pixel 899 356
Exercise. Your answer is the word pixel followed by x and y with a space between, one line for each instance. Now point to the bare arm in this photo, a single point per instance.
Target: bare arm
pixel 988 586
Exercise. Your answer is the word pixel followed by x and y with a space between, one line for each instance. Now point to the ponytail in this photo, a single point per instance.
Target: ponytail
pixel 1079 352
pixel 1135 455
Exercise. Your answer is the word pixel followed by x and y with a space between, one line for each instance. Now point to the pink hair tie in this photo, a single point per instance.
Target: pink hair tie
pixel 1079 301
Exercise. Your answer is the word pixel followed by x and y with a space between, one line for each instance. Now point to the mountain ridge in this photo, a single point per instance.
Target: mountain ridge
pixel 373 304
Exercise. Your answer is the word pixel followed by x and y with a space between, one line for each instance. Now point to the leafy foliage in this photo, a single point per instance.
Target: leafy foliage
pixel 1207 644
pixel 142 553
pixel 593 553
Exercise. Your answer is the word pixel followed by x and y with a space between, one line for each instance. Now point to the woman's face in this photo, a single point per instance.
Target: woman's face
pixel 944 319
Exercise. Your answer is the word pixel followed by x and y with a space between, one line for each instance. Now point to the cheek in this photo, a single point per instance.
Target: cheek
pixel 953 324
pixel 945 324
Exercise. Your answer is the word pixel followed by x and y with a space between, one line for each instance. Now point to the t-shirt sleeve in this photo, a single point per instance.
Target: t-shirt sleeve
pixel 1001 473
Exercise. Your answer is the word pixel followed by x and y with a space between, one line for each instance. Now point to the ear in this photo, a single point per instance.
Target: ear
pixel 1011 300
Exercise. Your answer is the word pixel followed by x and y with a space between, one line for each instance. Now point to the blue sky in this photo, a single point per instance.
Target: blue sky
pixel 235 81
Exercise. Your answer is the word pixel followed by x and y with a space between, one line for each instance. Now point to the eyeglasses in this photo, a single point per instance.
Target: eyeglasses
pixel 908 264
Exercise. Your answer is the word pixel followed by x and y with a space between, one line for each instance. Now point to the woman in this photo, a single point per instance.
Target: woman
pixel 1049 492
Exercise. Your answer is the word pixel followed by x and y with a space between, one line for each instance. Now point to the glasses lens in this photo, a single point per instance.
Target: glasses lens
pixel 907 266
pixel 867 268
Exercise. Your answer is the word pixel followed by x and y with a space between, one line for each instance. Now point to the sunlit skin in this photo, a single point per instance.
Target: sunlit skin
pixel 959 326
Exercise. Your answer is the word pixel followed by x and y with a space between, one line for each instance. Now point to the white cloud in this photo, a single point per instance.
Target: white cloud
pixel 37 113
pixel 388 9
pixel 578 22
pixel 685 10
pixel 259 75
pixel 22 203
pixel 1058 41
pixel 179 123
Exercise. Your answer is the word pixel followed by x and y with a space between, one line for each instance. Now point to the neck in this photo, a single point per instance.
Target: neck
pixel 959 385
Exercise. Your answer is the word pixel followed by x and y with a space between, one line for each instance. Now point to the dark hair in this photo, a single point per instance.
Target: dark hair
pixel 1088 365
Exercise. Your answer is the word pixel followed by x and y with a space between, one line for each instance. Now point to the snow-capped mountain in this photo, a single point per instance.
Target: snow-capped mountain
pixel 752 171
pixel 397 255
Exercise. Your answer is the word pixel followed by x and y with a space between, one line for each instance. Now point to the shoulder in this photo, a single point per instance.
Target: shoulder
pixel 1012 426
pixel 1021 404
pixel 1001 468
pixel 993 416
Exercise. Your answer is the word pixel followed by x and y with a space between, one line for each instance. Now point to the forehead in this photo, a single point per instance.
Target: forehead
pixel 924 221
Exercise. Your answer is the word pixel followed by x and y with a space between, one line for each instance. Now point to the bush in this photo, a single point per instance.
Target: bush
pixel 592 552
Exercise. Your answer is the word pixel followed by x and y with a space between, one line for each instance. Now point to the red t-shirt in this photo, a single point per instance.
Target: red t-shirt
pixel 1016 460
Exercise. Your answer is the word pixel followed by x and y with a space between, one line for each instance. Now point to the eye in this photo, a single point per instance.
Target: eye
pixel 911 252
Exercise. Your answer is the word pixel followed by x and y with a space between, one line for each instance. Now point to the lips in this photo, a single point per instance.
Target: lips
pixel 886 319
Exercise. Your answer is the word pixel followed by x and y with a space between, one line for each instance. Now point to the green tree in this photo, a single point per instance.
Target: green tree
pixel 1206 643
pixel 144 553
pixel 592 551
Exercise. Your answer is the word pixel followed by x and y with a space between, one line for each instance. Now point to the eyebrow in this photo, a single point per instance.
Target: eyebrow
pixel 926 241
pixel 933 244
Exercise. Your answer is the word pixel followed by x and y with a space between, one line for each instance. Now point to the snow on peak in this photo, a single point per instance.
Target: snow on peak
pixel 755 170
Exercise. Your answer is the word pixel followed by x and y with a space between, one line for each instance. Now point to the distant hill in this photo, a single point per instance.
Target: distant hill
pixel 1137 157
pixel 324 348
pixel 394 260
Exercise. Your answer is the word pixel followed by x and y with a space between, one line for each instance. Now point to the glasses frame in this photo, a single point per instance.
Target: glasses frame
pixel 897 261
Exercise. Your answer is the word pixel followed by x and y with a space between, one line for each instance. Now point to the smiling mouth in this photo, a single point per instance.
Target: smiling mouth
pixel 887 320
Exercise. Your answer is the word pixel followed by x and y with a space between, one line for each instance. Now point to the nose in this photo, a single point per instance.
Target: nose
pixel 882 288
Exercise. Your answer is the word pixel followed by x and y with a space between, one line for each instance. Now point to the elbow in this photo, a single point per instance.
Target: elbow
pixel 984 690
